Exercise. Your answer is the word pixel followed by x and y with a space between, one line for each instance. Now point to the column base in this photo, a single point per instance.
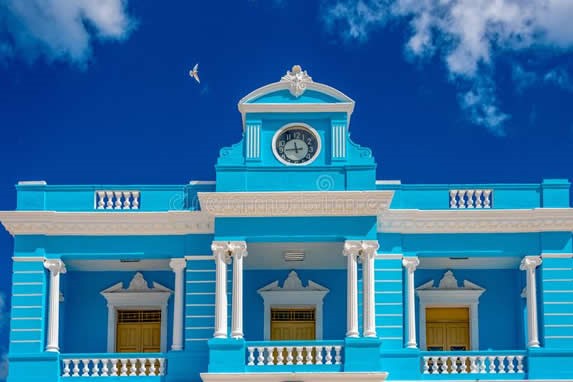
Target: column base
pixel 227 355
pixel 362 354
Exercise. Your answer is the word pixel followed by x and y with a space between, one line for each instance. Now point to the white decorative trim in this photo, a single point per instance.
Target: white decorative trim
pixel 304 126
pixel 201 182
pixel 199 257
pixel 138 296
pixel 293 294
pixel 449 294
pixel 106 223
pixel 298 376
pixel 303 203
pixel 297 80
pixel 26 259
pixel 253 143
pixel 388 256
pixel 32 183
pixel 476 221
pixel 557 255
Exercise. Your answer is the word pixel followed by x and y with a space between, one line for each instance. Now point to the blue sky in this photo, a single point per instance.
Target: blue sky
pixel 446 91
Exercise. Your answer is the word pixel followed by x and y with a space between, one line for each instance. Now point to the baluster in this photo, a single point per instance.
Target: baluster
pixel 261 357
pixel 318 356
pixel 491 364
pixel 463 365
pixel 338 355
pixel 501 365
pixel 328 351
pixel 95 368
pixel 104 368
pixel 86 369
pixel 100 200
pixel 426 365
pixel 299 355
pixel 280 356
pixel 470 196
pixel 141 368
pixel 473 365
pixel 126 200
pixel 66 371
pixel 455 365
pixel 76 367
pixel 152 369
pixel 133 367
pixel 123 369
pixel 109 200
pixel 510 367
pixel 442 365
pixel 435 366
pixel 450 365
pixel 487 196
pixel 461 199
pixel 114 370
pixel 308 358
pixel 251 357
pixel 161 370
pixel 478 195
pixel 270 356
pixel 519 359
pixel 289 355
pixel 453 202
pixel 135 203
pixel 482 368
pixel 117 195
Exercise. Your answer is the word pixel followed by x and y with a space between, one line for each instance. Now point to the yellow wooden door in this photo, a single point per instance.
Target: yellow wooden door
pixel 138 332
pixel 293 324
pixel 447 329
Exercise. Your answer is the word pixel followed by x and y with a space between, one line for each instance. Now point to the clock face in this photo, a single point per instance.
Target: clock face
pixel 296 145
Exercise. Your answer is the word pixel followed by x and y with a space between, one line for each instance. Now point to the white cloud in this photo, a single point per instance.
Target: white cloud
pixel 466 34
pixel 560 78
pixel 60 29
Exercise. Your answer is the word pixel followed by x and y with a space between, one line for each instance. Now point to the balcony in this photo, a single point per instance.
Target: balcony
pixel 151 366
pixel 473 364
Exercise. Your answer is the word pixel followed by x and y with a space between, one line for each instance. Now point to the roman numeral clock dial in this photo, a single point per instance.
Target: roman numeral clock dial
pixel 296 145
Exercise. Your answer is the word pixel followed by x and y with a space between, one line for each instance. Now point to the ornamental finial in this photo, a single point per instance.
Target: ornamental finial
pixel 298 79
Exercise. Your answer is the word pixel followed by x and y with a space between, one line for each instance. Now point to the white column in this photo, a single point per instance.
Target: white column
pixel 56 267
pixel 367 253
pixel 239 251
pixel 351 249
pixel 410 263
pixel 178 266
pixel 222 256
pixel 529 264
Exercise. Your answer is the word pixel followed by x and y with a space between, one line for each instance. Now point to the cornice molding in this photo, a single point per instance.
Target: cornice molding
pixel 295 204
pixel 476 221
pixel 106 223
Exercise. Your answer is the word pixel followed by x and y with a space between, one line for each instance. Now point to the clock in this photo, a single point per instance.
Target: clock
pixel 296 144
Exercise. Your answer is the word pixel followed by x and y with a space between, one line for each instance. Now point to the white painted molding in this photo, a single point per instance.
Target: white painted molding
pixel 297 79
pixel 32 183
pixel 138 296
pixel 304 203
pixel 449 294
pixel 106 223
pixel 476 221
pixel 25 259
pixel 298 376
pixel 293 295
pixel 557 255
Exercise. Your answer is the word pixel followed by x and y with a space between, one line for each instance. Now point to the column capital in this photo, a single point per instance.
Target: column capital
pixel 229 249
pixel 177 264
pixel 363 248
pixel 530 263
pixel 410 263
pixel 55 266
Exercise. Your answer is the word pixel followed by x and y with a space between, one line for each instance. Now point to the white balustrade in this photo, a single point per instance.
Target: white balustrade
pixel 113 367
pixel 294 355
pixel 116 200
pixel 471 198
pixel 472 364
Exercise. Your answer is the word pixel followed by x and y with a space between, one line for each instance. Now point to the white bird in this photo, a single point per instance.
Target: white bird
pixel 194 73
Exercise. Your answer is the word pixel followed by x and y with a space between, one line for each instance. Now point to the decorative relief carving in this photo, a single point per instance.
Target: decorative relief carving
pixel 298 79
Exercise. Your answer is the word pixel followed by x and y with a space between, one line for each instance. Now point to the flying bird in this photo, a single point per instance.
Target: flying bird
pixel 194 73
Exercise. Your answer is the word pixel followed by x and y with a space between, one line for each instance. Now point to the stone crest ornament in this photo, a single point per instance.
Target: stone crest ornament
pixel 298 79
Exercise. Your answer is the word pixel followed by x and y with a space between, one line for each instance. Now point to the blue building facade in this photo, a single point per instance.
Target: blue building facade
pixel 295 264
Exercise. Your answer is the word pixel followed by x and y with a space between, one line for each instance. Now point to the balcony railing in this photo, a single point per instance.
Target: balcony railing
pixel 473 362
pixel 471 198
pixel 113 365
pixel 294 353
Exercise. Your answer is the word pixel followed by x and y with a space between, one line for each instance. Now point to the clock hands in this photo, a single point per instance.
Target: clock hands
pixel 296 149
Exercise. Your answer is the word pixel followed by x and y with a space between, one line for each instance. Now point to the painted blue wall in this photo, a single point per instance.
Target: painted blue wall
pixel 85 309
pixel 334 308
pixel 500 307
